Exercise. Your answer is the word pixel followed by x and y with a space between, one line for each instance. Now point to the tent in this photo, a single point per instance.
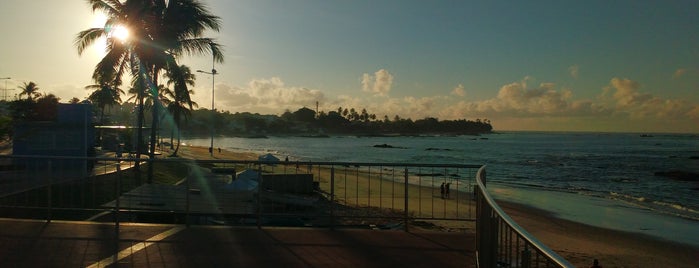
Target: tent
pixel 268 158
pixel 246 180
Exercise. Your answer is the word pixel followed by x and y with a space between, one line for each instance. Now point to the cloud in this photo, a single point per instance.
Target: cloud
pixel 459 91
pixel 517 100
pixel 378 84
pixel 626 92
pixel 679 73
pixel 629 100
pixel 574 71
pixel 517 105
pixel 261 95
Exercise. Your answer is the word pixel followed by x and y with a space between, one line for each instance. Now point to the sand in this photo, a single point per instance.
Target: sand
pixel 578 243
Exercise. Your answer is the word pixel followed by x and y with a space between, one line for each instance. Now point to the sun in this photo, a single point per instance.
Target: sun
pixel 119 32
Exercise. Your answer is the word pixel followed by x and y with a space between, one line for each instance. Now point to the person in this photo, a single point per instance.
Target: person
pixel 595 264
pixel 441 190
pixel 446 189
pixel 219 150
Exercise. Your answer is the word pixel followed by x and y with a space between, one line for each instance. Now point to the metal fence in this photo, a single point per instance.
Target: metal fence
pixel 501 242
pixel 227 192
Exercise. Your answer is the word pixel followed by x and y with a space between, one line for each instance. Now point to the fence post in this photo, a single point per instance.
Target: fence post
pixel 405 187
pixel 118 197
pixel 259 195
pixel 49 205
pixel 526 257
pixel 187 197
pixel 332 197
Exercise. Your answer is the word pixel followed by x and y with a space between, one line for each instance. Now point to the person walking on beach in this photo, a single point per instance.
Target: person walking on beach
pixel 446 190
pixel 441 190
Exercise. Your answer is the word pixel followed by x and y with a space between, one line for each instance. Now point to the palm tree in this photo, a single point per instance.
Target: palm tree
pixel 182 104
pixel 160 32
pixel 104 95
pixel 31 90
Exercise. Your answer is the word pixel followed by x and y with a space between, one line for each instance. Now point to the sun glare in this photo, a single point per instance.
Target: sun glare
pixel 120 33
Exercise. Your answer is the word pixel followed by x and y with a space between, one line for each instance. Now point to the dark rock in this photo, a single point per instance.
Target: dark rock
pixel 678 175
pixel 387 146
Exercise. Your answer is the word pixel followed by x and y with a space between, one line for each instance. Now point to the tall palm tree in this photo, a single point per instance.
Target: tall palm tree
pixel 182 104
pixel 31 90
pixel 160 32
pixel 104 95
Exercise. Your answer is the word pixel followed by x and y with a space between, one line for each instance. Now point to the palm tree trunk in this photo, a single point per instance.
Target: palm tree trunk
pixel 139 135
pixel 177 148
pixel 154 125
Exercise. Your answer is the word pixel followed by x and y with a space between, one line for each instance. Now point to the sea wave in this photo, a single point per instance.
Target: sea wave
pixel 668 208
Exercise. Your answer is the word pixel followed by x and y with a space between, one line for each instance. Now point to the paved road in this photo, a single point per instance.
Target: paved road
pixel 26 243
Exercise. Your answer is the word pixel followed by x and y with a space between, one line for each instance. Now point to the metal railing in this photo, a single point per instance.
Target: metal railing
pixel 328 194
pixel 501 242
pixel 228 192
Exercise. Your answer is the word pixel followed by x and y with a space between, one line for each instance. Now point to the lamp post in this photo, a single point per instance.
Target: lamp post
pixel 5 90
pixel 213 73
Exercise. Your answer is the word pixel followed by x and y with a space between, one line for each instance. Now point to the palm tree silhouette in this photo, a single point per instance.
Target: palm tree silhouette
pixel 160 32
pixel 30 89
pixel 181 105
pixel 104 94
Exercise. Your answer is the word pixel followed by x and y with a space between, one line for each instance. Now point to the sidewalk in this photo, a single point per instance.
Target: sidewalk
pixel 28 243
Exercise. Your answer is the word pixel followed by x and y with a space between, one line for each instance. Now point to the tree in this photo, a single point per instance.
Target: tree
pixel 105 94
pixel 46 108
pixel 30 89
pixel 160 32
pixel 181 105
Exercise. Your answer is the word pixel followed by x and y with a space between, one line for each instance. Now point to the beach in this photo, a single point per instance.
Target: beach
pixel 578 243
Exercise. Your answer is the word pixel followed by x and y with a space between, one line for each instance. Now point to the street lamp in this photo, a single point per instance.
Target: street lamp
pixel 5 95
pixel 213 73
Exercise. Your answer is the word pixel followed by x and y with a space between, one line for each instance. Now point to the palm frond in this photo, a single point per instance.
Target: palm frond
pixel 87 37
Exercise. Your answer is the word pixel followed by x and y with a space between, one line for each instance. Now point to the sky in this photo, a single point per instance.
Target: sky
pixel 609 66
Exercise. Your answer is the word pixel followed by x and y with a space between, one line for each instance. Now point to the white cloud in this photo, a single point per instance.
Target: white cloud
pixel 378 84
pixel 629 100
pixel 574 71
pixel 459 91
pixel 679 73
pixel 515 106
pixel 261 95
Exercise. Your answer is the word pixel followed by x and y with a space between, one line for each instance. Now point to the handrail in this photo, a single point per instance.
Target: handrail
pixel 281 162
pixel 501 217
pixel 498 237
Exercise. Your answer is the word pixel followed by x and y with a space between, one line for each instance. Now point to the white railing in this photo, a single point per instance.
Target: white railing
pixel 501 242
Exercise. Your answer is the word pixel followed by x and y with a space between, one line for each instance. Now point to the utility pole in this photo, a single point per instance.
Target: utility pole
pixel 213 74
pixel 5 90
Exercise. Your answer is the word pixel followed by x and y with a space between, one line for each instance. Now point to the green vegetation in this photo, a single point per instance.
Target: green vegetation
pixel 341 122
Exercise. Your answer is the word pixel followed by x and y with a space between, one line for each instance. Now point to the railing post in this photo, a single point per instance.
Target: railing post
pixel 49 205
pixel 187 198
pixel 405 187
pixel 332 197
pixel 118 197
pixel 259 196
pixel 526 257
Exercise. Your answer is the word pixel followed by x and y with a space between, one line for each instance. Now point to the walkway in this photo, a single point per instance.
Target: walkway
pixel 27 243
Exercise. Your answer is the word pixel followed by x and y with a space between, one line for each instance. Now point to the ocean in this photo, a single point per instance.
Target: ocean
pixel 602 179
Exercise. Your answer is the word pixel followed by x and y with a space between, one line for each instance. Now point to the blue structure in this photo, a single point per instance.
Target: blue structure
pixel 71 134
